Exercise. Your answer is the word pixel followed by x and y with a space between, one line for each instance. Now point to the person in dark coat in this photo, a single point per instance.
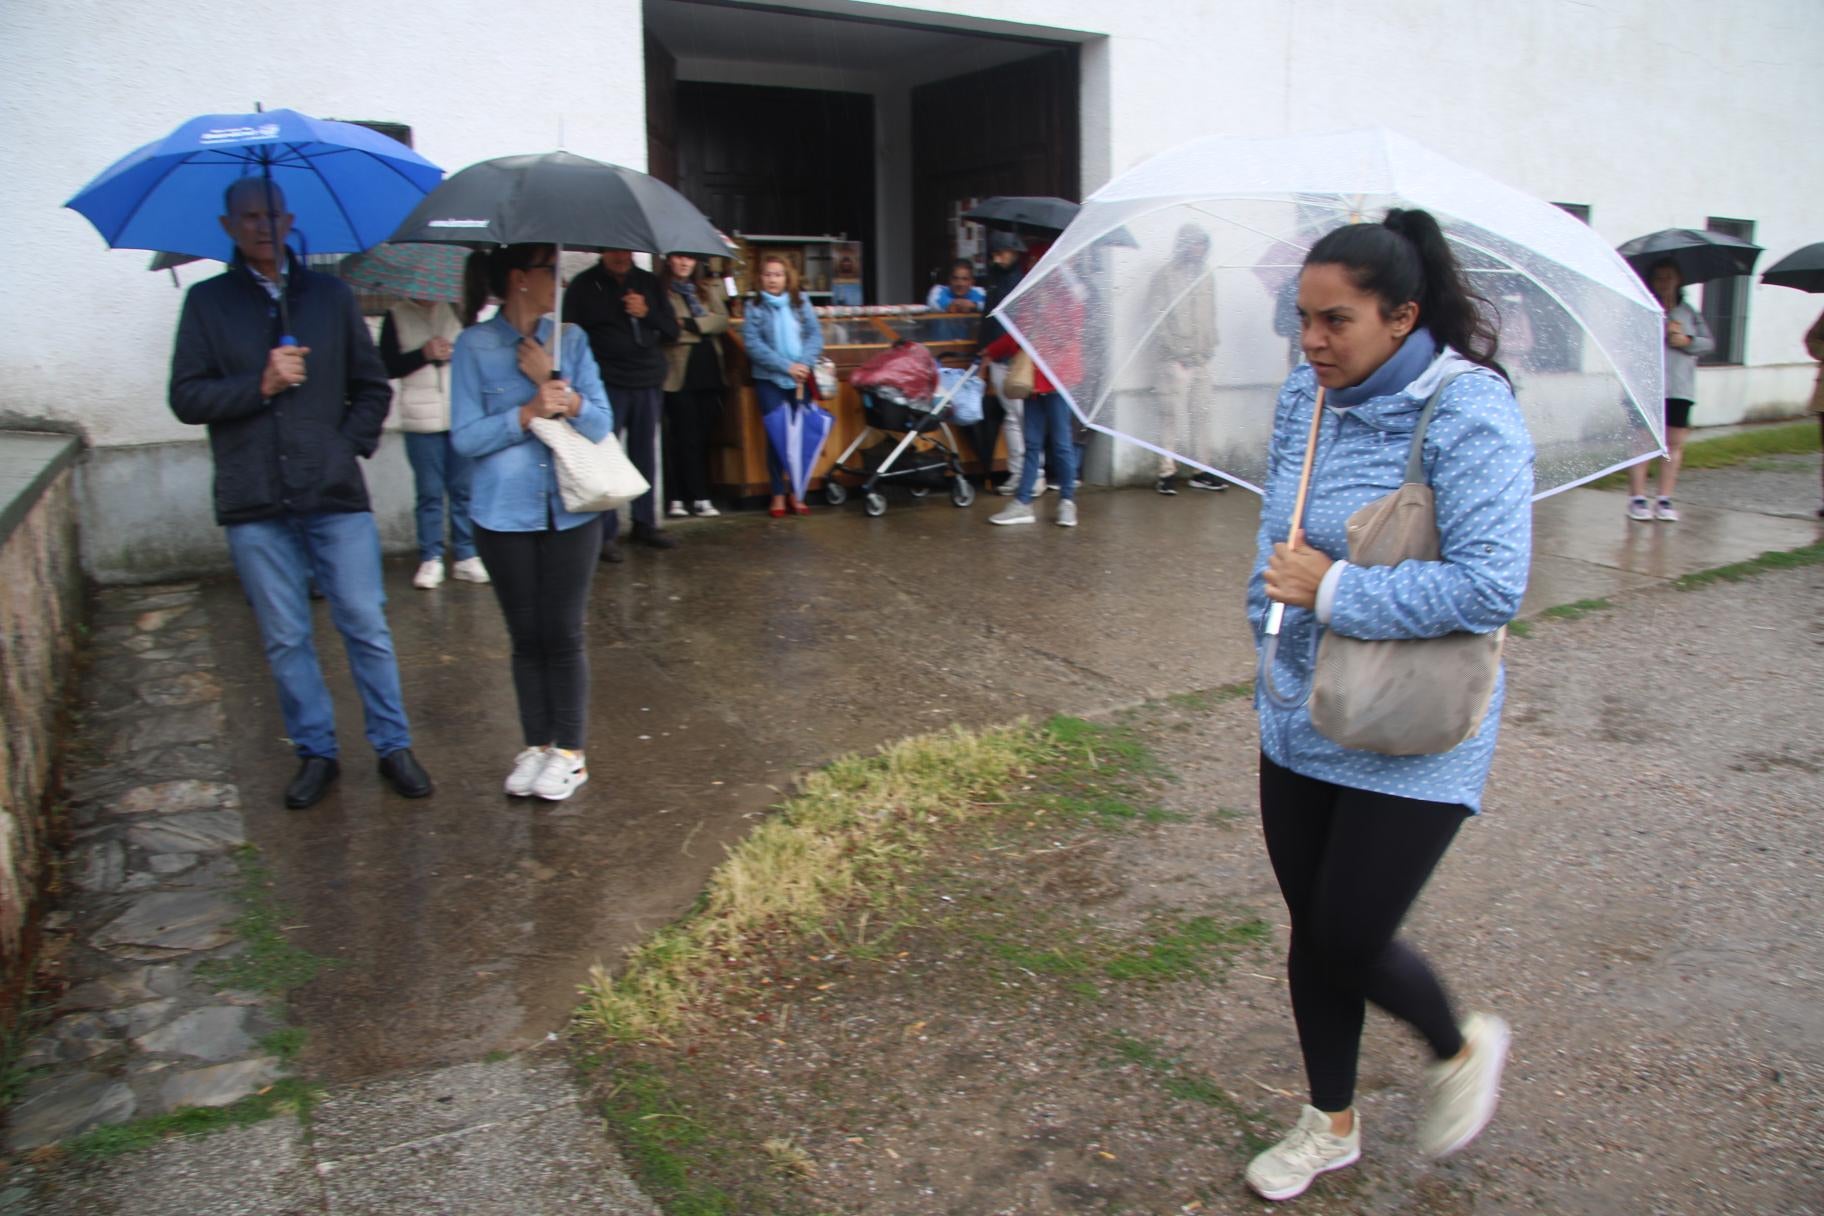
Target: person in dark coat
pixel 289 413
pixel 628 318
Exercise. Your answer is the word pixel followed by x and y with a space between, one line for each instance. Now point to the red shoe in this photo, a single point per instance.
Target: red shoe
pixel 801 508
pixel 776 512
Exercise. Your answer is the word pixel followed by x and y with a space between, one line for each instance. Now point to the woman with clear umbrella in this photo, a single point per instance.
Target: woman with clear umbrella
pixel 1388 323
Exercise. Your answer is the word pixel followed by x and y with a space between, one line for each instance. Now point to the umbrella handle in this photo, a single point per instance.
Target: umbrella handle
pixel 1277 613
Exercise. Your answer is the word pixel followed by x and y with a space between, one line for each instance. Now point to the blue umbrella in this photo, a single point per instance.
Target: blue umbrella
pixel 348 186
pixel 797 431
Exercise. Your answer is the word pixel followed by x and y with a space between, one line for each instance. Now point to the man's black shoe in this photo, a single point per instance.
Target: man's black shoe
pixel 1208 481
pixel 611 552
pixel 405 774
pixel 652 538
pixel 315 775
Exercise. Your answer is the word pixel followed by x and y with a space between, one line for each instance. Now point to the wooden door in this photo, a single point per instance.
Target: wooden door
pixel 661 112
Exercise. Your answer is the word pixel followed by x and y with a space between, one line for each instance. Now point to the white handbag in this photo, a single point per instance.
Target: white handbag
pixel 590 476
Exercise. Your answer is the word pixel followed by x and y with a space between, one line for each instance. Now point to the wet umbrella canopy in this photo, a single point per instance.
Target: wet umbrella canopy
pixel 1802 269
pixel 1221 226
pixel 1700 256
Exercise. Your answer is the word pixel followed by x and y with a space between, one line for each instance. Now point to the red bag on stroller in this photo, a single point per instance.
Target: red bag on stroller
pixel 906 367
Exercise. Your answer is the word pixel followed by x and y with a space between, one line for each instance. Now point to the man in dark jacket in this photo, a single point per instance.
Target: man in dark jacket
pixel 628 319
pixel 288 413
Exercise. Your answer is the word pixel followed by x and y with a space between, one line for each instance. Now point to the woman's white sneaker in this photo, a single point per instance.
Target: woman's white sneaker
pixel 1308 1150
pixel 1461 1093
pixel 564 771
pixel 429 576
pixel 704 508
pixel 526 768
pixel 471 570
pixel 676 510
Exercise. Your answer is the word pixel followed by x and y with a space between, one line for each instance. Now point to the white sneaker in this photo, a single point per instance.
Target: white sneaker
pixel 1665 512
pixel 704 507
pixel 564 771
pixel 676 509
pixel 1308 1150
pixel 470 570
pixel 1038 488
pixel 429 576
pixel 1462 1093
pixel 1015 512
pixel 1638 509
pixel 1007 488
pixel 526 768
pixel 1067 513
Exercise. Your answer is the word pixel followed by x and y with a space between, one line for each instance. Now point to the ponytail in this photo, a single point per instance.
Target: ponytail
pixel 1405 259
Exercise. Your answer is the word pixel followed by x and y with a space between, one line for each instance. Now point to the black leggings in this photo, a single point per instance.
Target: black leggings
pixel 690 419
pixel 1350 863
pixel 542 582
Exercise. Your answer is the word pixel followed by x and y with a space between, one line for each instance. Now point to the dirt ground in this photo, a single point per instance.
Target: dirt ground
pixel 1079 1011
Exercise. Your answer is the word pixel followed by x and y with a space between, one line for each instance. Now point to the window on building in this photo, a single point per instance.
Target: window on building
pixel 1726 301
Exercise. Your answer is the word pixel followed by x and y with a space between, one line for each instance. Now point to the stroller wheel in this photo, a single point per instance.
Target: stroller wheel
pixel 875 504
pixel 834 493
pixel 919 491
pixel 961 492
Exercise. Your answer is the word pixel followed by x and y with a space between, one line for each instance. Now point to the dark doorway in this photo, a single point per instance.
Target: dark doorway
pixel 777 161
pixel 1006 130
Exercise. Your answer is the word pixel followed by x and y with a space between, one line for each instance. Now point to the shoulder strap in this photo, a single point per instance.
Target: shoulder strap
pixel 1415 456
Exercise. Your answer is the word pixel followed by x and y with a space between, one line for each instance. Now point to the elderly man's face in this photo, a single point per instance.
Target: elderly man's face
pixel 617 262
pixel 255 222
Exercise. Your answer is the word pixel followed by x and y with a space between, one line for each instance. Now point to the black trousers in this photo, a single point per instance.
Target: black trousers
pixel 636 416
pixel 690 420
pixel 542 582
pixel 1350 863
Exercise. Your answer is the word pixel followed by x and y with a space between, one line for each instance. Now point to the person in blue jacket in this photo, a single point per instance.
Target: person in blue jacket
pixel 783 339
pixel 1386 316
pixel 540 556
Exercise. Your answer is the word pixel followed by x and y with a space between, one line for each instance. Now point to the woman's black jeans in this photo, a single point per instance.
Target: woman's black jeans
pixel 542 582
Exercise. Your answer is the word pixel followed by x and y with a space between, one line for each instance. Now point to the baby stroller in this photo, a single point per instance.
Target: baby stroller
pixel 904 393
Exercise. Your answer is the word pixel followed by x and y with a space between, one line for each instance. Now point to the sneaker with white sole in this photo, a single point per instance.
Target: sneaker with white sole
pixel 564 771
pixel 1639 509
pixel 704 507
pixel 1665 512
pixel 1038 488
pixel 1067 513
pixel 1007 488
pixel 1208 481
pixel 526 768
pixel 1166 485
pixel 1015 512
pixel 676 509
pixel 1308 1150
pixel 429 576
pixel 471 570
pixel 1461 1093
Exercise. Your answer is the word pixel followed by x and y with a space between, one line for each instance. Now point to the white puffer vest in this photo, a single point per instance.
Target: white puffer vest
pixel 423 398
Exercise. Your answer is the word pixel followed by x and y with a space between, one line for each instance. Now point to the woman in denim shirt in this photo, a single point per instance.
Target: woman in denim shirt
pixel 540 556
pixel 1386 317
pixel 783 339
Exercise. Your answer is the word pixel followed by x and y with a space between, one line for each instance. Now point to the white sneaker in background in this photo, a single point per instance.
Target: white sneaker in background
pixel 676 509
pixel 429 576
pixel 1067 513
pixel 1461 1093
pixel 704 507
pixel 1015 512
pixel 1038 489
pixel 1638 509
pixel 1665 512
pixel 1308 1150
pixel 526 768
pixel 470 570
pixel 564 771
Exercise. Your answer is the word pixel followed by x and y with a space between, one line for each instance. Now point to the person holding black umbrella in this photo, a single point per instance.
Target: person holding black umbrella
pixel 1814 346
pixel 1687 339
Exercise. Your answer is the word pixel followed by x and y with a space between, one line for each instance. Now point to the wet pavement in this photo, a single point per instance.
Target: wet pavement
pixel 462 924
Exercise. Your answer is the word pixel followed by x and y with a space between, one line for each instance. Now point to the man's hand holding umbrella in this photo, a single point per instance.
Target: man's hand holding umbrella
pixel 284 369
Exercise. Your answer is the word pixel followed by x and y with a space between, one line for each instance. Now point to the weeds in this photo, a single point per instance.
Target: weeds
pixel 1789 559
pixel 1576 611
pixel 285 1043
pixel 660 1140
pixel 1204 700
pixel 291 1096
pixel 270 963
pixel 1744 447
pixel 1190 1085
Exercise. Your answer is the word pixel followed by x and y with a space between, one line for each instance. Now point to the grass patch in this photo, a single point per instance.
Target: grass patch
pixel 847 830
pixel 1575 611
pixel 270 963
pixel 288 1096
pixel 1191 1085
pixel 285 1043
pixel 1519 629
pixel 661 1141
pixel 1743 447
pixel 1185 950
pixel 1788 559
pixel 1204 700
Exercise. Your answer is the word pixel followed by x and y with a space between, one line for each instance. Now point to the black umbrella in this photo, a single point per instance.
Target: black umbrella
pixel 559 198
pixel 1699 256
pixel 1803 269
pixel 1024 213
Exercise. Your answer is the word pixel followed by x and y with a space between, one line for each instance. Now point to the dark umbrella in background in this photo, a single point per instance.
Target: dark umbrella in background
pixel 1802 270
pixel 1024 213
pixel 1699 256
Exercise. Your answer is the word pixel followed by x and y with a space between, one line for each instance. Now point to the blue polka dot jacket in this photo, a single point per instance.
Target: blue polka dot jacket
pixel 1479 460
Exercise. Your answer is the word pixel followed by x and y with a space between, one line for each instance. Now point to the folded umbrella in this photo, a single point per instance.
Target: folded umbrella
pixel 1802 269
pixel 797 431
pixel 1700 256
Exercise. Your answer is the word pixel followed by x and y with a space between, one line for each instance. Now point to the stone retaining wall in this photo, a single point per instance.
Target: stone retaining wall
pixel 41 605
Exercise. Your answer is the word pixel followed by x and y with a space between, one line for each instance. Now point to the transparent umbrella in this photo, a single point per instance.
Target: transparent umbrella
pixel 1179 343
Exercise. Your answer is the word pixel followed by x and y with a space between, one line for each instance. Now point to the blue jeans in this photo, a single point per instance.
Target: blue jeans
pixel 276 559
pixel 438 472
pixel 1047 426
pixel 637 412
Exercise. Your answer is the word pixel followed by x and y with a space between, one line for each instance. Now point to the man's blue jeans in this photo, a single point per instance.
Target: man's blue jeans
pixel 1047 424
pixel 438 472
pixel 276 559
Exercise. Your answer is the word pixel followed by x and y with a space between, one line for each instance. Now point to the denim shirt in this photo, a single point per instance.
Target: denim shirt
pixel 765 359
pixel 515 485
pixel 1479 461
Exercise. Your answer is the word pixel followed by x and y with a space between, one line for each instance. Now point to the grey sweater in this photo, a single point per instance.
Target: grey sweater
pixel 1681 365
